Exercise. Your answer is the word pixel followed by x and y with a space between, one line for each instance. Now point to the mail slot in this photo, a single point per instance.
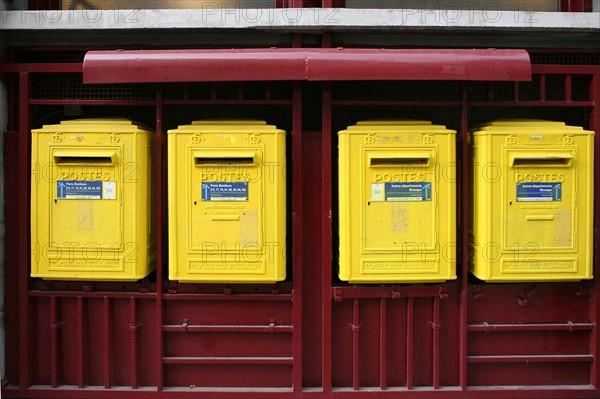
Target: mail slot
pixel 227 202
pixel 532 201
pixel 397 202
pixel 91 201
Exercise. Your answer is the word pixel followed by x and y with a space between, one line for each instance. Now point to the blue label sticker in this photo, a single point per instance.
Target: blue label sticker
pixel 225 191
pixel 538 192
pixel 79 189
pixel 419 191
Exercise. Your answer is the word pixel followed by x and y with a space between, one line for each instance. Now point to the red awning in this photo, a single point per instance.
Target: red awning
pixel 143 66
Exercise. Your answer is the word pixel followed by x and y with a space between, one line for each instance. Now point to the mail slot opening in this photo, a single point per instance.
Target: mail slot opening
pixel 563 161
pixel 224 161
pixel 400 159
pixel 79 160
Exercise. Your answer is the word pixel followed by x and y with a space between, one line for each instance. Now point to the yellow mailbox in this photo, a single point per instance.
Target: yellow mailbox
pixel 532 201
pixel 227 202
pixel 397 202
pixel 91 201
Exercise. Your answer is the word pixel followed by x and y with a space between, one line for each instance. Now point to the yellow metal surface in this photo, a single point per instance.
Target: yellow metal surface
pixel 532 202
pixel 231 121
pixel 397 203
pixel 92 201
pixel 392 122
pixel 227 202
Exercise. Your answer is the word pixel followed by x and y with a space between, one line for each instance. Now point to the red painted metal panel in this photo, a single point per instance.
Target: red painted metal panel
pixel 458 340
pixel 311 267
pixel 304 64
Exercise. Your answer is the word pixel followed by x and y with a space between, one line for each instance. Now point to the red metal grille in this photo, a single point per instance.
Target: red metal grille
pixel 398 91
pixel 581 87
pixel 69 86
pixel 49 56
pixel 13 102
pixel 565 58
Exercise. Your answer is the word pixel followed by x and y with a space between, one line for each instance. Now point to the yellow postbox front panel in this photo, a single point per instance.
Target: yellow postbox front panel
pixel 227 202
pixel 91 201
pixel 397 203
pixel 532 202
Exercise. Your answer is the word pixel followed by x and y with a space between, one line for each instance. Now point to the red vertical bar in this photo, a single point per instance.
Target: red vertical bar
pixel 436 343
pixel 326 40
pixel 576 5
pixel 297 40
pixel 133 327
pixel 595 305
pixel 80 343
pixel 568 87
pixel 383 343
pixel 107 343
pixel 327 237
pixel 409 342
pixel 355 344
pixel 297 229
pixel 542 87
pixel 11 102
pixel 24 187
pixel 160 190
pixel 54 326
pixel 464 129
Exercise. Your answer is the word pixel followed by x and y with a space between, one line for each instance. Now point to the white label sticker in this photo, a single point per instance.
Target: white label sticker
pixel 109 191
pixel 377 192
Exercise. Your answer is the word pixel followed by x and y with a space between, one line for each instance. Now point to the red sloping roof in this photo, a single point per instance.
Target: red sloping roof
pixel 142 66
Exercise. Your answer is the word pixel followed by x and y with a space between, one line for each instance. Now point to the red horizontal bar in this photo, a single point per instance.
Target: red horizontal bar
pixel 494 392
pixel 530 358
pixel 357 292
pixel 96 294
pixel 208 328
pixel 395 103
pixel 233 297
pixel 93 392
pixel 531 104
pixel 485 327
pixel 93 102
pixel 227 102
pixel 140 66
pixel 229 360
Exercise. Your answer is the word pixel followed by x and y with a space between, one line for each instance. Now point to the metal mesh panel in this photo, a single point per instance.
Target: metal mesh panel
pixel 69 86
pixel 477 91
pixel 530 91
pixel 398 91
pixel 581 87
pixel 50 56
pixel 504 91
pixel 13 102
pixel 555 88
pixel 565 58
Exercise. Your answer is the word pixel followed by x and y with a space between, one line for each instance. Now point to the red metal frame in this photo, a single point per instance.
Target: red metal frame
pixel 311 336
